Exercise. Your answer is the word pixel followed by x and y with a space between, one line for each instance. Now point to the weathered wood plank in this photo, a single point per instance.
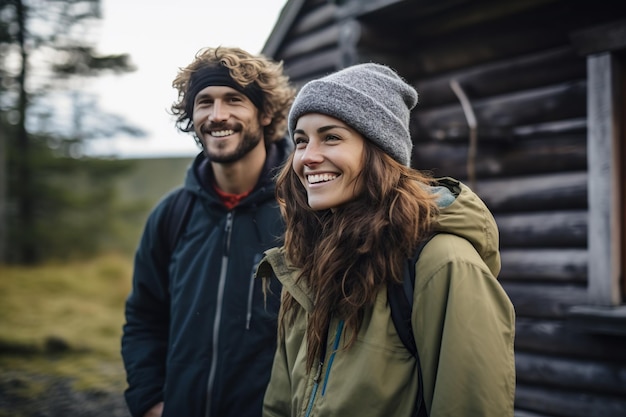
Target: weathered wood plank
pixel 475 48
pixel 563 229
pixel 606 217
pixel 607 37
pixel 562 265
pixel 555 102
pixel 575 374
pixel 558 402
pixel 566 191
pixel 313 65
pixel 524 413
pixel 311 42
pixel 527 156
pixel 526 72
pixel 564 338
pixel 550 301
pixel 469 33
pixel 314 19
pixel 600 320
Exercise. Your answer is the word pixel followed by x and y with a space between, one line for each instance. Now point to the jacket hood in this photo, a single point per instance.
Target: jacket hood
pixel 199 177
pixel 461 213
pixel 464 214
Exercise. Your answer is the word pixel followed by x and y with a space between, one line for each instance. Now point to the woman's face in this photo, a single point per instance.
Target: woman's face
pixel 328 160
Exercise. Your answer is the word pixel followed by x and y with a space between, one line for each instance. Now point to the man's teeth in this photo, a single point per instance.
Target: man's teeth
pixel 222 133
pixel 313 179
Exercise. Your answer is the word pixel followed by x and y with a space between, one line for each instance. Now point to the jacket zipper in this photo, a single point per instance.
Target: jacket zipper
pixel 320 365
pixel 332 355
pixel 218 310
pixel 257 259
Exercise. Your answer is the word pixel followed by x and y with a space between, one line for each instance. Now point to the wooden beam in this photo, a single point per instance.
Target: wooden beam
pixel 603 38
pixel 600 320
pixel 605 213
pixel 315 19
pixel 311 42
pixel 570 403
pixel 545 264
pixel 549 154
pixel 562 229
pixel 313 65
pixel 577 374
pixel 563 191
pixel 544 300
pixel 286 18
pixel 556 102
pixel 561 338
pixel 553 66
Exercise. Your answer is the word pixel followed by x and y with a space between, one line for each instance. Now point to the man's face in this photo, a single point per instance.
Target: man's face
pixel 227 123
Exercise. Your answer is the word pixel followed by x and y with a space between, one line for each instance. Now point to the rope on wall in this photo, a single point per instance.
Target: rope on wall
pixel 473 131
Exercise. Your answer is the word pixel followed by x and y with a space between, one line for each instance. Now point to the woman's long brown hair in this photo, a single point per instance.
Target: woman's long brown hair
pixel 346 256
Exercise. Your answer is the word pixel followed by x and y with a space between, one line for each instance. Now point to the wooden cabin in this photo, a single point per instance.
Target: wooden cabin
pixel 525 101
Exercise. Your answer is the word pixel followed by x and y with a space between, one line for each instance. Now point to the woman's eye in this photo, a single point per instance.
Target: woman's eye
pixel 300 142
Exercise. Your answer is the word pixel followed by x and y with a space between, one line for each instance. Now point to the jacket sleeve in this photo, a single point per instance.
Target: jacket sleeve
pixel 145 333
pixel 464 324
pixel 278 396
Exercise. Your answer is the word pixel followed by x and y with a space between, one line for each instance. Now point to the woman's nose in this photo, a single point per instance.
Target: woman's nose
pixel 312 154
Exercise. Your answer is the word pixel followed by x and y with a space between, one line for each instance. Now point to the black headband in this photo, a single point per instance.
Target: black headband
pixel 220 76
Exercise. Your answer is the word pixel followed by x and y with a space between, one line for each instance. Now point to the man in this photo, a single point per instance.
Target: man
pixel 200 335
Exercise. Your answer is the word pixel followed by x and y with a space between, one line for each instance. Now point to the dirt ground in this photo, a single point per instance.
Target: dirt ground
pixel 34 395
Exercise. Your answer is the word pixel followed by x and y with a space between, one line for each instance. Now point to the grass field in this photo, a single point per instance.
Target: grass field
pixel 61 323
pixel 65 320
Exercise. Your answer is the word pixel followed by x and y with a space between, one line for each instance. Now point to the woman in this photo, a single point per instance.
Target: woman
pixel 355 212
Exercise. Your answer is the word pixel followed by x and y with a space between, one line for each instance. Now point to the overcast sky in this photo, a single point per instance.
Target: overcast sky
pixel 162 36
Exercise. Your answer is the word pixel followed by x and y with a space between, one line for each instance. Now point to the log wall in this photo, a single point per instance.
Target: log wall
pixel 528 89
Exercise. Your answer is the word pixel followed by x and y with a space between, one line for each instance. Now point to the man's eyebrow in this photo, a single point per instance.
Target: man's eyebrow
pixel 229 94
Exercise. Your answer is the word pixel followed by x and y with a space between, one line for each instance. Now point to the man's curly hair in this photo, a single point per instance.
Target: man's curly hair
pixel 245 69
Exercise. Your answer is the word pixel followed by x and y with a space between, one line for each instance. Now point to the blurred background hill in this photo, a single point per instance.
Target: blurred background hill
pixel 138 191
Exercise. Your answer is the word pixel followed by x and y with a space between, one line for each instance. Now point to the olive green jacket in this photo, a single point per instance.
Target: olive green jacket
pixel 463 321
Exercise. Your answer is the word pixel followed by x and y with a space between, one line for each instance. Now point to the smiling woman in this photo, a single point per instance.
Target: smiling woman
pixel 355 213
pixel 170 33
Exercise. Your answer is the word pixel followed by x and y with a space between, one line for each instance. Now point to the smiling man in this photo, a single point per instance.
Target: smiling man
pixel 199 337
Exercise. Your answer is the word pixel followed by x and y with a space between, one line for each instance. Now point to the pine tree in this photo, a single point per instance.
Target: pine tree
pixel 53 200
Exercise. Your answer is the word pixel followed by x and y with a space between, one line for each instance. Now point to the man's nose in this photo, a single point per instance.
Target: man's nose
pixel 219 112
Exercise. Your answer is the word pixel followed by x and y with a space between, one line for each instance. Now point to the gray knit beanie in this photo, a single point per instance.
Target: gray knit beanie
pixel 370 98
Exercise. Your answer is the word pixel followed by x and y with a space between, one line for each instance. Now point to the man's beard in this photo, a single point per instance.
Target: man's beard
pixel 248 143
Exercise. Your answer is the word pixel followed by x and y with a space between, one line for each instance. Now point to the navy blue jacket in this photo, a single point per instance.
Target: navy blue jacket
pixel 199 333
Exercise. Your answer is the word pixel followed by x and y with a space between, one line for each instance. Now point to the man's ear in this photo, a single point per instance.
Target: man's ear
pixel 265 120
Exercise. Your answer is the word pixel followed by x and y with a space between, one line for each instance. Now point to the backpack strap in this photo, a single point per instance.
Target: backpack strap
pixel 177 215
pixel 400 297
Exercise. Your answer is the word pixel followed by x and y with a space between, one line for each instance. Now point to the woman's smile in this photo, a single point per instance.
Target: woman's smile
pixel 328 160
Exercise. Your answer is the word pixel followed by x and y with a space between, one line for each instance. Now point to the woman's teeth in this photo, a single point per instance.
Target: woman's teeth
pixel 313 179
